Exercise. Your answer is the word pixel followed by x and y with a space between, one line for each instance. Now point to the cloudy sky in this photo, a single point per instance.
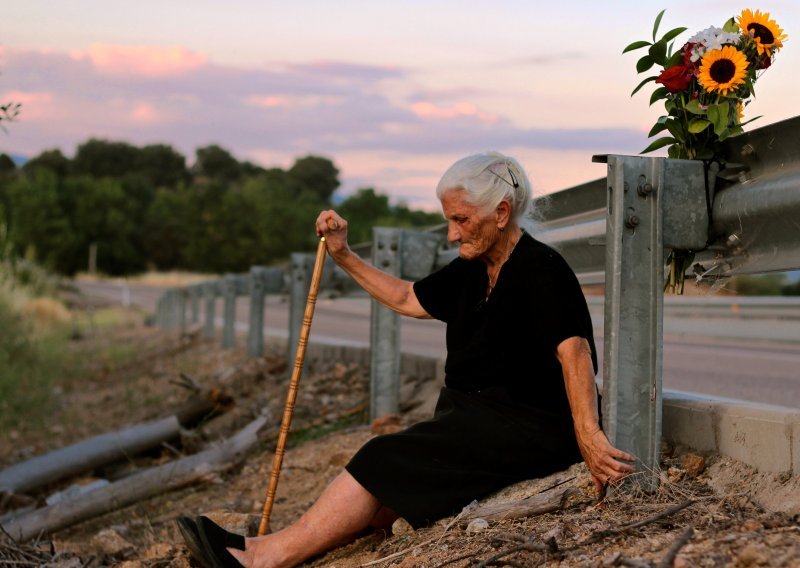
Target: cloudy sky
pixel 392 91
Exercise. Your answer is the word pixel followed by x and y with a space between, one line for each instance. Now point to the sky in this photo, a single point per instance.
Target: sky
pixel 393 92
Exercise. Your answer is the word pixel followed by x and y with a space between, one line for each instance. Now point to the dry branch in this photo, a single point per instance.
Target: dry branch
pixel 144 485
pixel 538 504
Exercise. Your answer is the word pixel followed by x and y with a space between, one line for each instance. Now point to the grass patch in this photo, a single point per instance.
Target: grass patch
pixel 28 364
pixel 304 435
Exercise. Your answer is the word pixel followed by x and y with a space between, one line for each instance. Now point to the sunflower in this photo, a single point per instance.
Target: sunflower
pixel 739 112
pixel 767 35
pixel 723 69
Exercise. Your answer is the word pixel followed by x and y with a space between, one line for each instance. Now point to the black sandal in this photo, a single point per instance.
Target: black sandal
pixel 215 540
pixel 191 537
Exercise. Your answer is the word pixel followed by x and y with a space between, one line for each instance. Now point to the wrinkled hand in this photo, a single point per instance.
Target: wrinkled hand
pixel 605 462
pixel 334 228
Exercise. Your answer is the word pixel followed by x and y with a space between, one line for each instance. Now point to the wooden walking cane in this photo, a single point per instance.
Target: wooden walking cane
pixel 288 408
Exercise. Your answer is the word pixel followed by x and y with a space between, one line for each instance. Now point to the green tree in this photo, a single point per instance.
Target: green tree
pixel 52 160
pixel 167 226
pixel 362 210
pixel 216 163
pixel 317 175
pixel 106 217
pixel 105 158
pixel 38 225
pixel 760 285
pixel 7 165
pixel 162 165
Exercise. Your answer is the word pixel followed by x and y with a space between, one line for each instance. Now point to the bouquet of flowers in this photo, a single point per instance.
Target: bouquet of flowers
pixel 705 86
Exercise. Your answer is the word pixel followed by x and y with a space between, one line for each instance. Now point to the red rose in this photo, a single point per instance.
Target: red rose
pixel 676 78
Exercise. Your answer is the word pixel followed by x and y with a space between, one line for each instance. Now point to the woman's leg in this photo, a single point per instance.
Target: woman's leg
pixel 340 514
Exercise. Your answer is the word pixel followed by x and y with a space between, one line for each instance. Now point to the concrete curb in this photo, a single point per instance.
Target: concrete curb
pixel 762 436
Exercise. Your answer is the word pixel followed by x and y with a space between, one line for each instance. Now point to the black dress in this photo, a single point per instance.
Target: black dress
pixel 503 415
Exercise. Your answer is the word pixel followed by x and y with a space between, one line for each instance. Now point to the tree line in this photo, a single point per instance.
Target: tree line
pixel 141 208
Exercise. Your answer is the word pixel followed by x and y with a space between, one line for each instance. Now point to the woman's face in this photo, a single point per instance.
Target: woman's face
pixel 476 234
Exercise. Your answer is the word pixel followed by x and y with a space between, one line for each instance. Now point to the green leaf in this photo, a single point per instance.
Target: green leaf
pixel 674 151
pixel 718 115
pixel 669 105
pixel 658 52
pixel 657 127
pixel 636 45
pixel 658 94
pixel 693 106
pixel 660 143
pixel 673 60
pixel 697 125
pixel 751 120
pixel 676 129
pixel 730 26
pixel 644 64
pixel 672 34
pixel 657 23
pixel 643 83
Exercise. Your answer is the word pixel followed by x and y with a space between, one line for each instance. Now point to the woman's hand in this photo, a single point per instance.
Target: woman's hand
pixel 605 462
pixel 334 228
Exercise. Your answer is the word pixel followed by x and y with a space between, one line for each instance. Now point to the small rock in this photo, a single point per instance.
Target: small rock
pixel 130 564
pixel 477 525
pixel 160 550
pixel 339 371
pixel 413 562
pixel 675 474
pixel 401 526
pixel 681 562
pixel 339 459
pixel 693 464
pixel 752 525
pixel 109 542
pixel 753 555
pixel 388 424
pixel 611 559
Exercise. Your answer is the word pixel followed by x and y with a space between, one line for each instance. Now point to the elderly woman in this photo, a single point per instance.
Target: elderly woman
pixel 519 400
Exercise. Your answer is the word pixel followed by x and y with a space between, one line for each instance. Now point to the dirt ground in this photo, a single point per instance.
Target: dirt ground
pixel 709 511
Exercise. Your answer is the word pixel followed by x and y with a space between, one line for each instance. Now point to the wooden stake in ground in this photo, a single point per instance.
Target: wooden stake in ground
pixel 297 370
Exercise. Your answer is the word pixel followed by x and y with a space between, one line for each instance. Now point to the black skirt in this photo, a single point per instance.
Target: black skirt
pixel 475 444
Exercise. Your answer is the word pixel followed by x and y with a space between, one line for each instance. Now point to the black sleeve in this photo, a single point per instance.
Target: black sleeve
pixel 558 303
pixel 437 292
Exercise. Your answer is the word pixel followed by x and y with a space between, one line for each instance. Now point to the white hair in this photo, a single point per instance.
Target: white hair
pixel 489 178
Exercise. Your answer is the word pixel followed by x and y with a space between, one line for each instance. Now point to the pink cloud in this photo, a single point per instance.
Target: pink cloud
pixel 35 104
pixel 294 101
pixel 144 113
pixel 144 60
pixel 426 109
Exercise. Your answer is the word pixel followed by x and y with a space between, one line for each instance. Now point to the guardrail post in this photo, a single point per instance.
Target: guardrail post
pixel 385 330
pixel 194 296
pixel 210 293
pixel 229 311
pixel 263 281
pixel 301 266
pixel 652 203
pixel 255 331
pixel 180 295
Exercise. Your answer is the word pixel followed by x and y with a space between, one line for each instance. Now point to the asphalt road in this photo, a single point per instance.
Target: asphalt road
pixel 755 360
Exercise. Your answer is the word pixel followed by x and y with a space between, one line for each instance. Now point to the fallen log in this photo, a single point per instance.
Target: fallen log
pixel 107 448
pixel 538 504
pixel 151 482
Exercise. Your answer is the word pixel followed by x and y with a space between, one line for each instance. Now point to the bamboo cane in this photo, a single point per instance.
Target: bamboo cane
pixel 288 408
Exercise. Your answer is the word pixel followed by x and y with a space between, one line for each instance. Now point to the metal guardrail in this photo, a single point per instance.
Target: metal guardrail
pixel 615 230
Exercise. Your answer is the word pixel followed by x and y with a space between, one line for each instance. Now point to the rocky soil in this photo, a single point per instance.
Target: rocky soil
pixel 707 512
